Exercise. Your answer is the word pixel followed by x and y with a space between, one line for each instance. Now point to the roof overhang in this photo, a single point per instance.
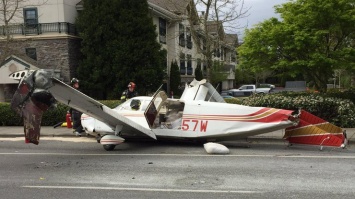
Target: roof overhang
pixel 10 65
pixel 159 11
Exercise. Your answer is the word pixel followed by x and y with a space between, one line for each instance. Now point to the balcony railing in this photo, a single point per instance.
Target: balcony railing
pixel 40 28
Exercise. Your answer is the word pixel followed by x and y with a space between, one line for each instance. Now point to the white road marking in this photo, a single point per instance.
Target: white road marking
pixel 185 155
pixel 143 189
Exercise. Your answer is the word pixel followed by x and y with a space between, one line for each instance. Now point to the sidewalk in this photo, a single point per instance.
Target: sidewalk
pixel 49 131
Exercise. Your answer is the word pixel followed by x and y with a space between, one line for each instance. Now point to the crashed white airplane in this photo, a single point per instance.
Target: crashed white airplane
pixel 200 114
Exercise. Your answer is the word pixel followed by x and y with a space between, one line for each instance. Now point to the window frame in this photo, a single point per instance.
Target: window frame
pixel 182 40
pixel 162 30
pixel 189 70
pixel 26 18
pixel 31 53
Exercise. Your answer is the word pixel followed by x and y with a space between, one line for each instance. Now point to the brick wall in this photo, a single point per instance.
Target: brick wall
pixel 61 53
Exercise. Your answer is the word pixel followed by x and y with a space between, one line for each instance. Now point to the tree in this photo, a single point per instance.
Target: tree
pixel 175 78
pixel 119 45
pixel 217 75
pixel 198 71
pixel 315 38
pixel 219 14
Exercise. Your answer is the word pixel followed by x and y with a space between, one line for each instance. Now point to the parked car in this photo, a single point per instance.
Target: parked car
pixel 227 96
pixel 235 93
pixel 251 88
pixel 267 86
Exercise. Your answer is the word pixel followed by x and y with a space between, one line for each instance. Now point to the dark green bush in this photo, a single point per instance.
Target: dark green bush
pixel 51 117
pixel 235 100
pixel 8 117
pixel 340 112
pixel 337 110
pixel 345 94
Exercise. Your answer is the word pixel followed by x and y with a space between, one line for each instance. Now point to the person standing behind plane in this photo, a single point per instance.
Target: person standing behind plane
pixel 130 92
pixel 75 114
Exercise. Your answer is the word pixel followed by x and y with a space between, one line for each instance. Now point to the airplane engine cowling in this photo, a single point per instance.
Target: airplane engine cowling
pixel 30 100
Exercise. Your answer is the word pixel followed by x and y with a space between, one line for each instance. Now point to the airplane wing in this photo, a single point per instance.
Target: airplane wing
pixel 71 97
pixel 85 104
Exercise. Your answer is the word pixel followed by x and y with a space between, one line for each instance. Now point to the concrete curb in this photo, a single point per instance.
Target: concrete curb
pixel 49 131
pixel 46 131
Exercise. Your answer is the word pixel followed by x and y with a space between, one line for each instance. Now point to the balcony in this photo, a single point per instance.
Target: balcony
pixel 40 28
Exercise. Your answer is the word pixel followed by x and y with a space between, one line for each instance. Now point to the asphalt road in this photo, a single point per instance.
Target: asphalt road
pixel 81 168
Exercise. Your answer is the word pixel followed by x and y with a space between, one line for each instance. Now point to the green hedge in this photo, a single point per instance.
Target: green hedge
pixel 335 106
pixel 8 117
pixel 51 117
pixel 340 112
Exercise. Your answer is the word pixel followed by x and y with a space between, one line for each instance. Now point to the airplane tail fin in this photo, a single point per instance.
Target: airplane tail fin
pixel 30 100
pixel 313 130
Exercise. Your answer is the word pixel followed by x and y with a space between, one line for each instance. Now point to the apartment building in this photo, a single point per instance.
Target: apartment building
pixel 41 34
pixel 174 34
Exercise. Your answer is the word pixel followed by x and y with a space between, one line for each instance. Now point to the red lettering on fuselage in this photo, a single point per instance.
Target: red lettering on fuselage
pixel 203 126
pixel 193 124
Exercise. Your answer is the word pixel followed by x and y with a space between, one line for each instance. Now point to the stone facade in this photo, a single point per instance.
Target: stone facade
pixel 62 54
pixel 57 53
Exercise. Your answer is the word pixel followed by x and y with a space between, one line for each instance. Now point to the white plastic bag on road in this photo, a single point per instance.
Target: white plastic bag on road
pixel 214 148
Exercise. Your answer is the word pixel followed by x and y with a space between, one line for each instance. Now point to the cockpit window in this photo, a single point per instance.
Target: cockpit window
pixel 128 105
pixel 135 104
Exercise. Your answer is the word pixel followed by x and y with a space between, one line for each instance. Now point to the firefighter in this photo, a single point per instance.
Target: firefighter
pixel 75 114
pixel 130 92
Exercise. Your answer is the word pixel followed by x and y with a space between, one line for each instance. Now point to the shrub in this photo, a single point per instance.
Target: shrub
pixel 340 112
pixel 8 117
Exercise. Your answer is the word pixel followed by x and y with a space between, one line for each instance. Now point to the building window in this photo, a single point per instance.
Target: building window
pixel 32 53
pixel 181 35
pixel 162 30
pixel 188 38
pixel 189 64
pixel 30 16
pixel 182 64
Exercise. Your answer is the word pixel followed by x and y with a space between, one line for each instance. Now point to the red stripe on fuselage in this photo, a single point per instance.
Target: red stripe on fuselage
pixel 275 115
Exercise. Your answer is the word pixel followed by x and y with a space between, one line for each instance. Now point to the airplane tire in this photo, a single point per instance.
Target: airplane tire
pixel 109 147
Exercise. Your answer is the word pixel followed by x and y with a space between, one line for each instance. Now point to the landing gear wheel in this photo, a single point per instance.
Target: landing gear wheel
pixel 109 147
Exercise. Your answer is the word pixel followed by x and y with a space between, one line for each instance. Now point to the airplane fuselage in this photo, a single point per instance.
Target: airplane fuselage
pixel 201 120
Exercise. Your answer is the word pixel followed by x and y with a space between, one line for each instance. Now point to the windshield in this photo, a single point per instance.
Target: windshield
pixel 127 105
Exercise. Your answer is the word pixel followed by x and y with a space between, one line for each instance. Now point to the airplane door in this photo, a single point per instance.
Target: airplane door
pixel 153 107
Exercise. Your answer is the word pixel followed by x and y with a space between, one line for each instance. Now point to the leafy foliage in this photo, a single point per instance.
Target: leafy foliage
pixel 119 45
pixel 217 74
pixel 175 78
pixel 335 107
pixel 51 117
pixel 315 38
pixel 198 72
pixel 340 112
